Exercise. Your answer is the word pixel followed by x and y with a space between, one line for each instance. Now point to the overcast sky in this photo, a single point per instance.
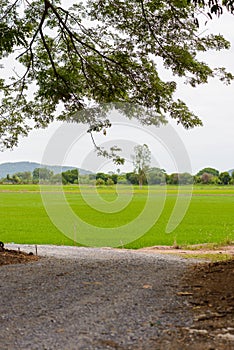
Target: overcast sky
pixel 211 145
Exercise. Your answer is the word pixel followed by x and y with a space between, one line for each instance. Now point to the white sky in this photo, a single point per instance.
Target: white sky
pixel 211 145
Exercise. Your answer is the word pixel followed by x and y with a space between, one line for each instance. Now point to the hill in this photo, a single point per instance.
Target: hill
pixel 12 168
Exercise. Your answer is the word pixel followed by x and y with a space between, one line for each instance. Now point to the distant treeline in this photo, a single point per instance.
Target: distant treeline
pixel 154 176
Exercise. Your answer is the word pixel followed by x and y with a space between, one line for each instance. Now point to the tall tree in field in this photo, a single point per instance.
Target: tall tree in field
pixel 141 162
pixel 100 51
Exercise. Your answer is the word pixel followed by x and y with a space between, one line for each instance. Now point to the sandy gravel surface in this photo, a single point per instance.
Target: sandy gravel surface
pixel 103 253
pixel 72 252
pixel 91 298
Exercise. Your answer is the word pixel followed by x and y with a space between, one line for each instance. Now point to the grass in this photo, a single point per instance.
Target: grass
pixel 208 256
pixel 209 218
pixel 208 246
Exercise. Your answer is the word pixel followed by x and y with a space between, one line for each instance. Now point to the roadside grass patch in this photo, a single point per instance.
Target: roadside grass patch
pixel 214 257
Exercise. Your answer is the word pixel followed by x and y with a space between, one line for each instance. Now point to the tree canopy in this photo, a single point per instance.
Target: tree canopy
pixel 101 52
pixel 208 170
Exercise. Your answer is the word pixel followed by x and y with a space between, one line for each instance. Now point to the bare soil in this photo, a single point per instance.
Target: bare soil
pixel 196 250
pixel 209 291
pixel 10 256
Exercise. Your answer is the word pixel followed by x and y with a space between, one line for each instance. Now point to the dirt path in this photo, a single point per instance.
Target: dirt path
pixel 66 251
pixel 87 298
pixel 196 250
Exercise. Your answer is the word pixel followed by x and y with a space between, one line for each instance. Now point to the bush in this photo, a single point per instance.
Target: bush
pixel 100 182
pixel 110 182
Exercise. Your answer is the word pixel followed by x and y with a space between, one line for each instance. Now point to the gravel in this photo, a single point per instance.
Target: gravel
pixel 91 298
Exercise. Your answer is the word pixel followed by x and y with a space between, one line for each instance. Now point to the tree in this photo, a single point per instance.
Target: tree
pixel 14 179
pixel 109 179
pixel 141 162
pixel 225 178
pixel 156 176
pixel 100 182
pixel 206 178
pixel 122 179
pixel 56 179
pixel 114 178
pixel 70 176
pixel 43 174
pixel 25 177
pixel 109 182
pixel 232 178
pixel 173 179
pixel 185 179
pixel 72 65
pixel 133 178
pixel 180 179
pixel 102 176
pixel 210 171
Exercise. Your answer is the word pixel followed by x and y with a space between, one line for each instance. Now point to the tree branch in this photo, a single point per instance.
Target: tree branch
pixel 9 10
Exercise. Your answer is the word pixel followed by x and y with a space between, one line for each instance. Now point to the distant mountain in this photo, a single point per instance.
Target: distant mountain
pixel 12 168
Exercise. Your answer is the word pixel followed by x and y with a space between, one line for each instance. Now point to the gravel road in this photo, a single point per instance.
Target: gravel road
pixel 92 298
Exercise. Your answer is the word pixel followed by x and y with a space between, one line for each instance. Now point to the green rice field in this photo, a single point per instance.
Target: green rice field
pixel 209 219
